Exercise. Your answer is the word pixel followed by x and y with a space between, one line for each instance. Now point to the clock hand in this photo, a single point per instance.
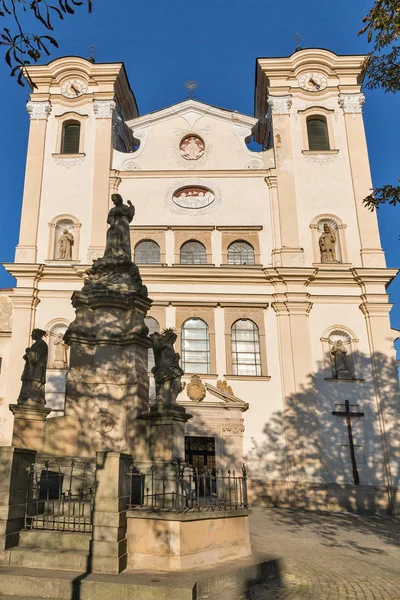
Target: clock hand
pixel 75 89
pixel 314 83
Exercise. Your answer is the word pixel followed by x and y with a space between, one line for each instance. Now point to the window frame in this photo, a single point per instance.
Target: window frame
pixel 240 241
pixel 70 117
pixel 207 350
pixel 310 139
pixel 147 241
pixel 318 111
pixel 236 364
pixel 193 241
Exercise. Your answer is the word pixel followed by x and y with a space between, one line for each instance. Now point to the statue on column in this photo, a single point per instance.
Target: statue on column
pixel 340 369
pixel 34 373
pixel 167 372
pixel 116 271
pixel 118 243
pixel 327 245
pixel 65 244
pixel 60 353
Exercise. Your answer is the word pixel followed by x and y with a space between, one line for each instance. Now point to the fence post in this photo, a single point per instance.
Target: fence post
pixel 109 545
pixel 14 482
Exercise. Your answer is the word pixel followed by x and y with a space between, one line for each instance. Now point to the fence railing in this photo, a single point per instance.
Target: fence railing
pixel 60 495
pixel 185 488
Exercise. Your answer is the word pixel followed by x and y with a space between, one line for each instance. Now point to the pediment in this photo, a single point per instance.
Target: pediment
pixel 227 398
pixel 192 111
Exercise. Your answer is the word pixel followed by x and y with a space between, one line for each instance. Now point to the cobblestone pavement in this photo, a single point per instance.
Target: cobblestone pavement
pixel 329 557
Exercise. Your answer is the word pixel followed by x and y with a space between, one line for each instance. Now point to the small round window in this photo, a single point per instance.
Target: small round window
pixel 193 197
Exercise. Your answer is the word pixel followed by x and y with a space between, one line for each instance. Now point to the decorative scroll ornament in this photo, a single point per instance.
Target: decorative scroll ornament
pixel 351 103
pixel 255 164
pixel 103 109
pixel 130 165
pixel 280 105
pixel 38 110
pixel 69 162
pixel 321 159
pixel 196 390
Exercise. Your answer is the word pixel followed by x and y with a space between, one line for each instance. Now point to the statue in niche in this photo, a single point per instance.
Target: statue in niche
pixel 34 373
pixel 167 372
pixel 224 387
pixel 118 244
pixel 327 245
pixel 65 244
pixel 339 354
pixel 60 353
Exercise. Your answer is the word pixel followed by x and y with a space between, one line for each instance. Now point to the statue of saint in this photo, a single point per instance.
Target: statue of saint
pixel 340 368
pixel 34 373
pixel 118 243
pixel 167 372
pixel 65 244
pixel 60 354
pixel 327 243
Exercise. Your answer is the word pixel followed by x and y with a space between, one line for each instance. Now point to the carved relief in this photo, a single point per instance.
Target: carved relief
pixel 196 390
pixel 38 110
pixel 104 422
pixel 224 387
pixel 193 197
pixel 68 162
pixel 103 109
pixel 280 105
pixel 192 147
pixel 351 103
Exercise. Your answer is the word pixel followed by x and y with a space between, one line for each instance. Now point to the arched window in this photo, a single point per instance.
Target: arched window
pixel 71 132
pixel 240 253
pixel 317 131
pixel 153 326
pixel 195 346
pixel 246 358
pixel 193 253
pixel 147 252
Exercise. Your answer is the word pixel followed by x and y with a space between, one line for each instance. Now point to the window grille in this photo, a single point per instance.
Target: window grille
pixel 147 253
pixel 153 326
pixel 193 253
pixel 241 253
pixel 195 346
pixel 246 358
pixel 317 131
pixel 70 138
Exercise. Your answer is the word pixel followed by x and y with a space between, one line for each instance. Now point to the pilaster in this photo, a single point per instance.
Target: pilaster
pixel 371 252
pixel 103 112
pixel 27 247
pixel 288 253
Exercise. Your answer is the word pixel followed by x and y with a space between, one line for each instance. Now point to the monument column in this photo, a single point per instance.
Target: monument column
pixel 371 251
pixel 290 252
pixel 27 249
pixel 103 111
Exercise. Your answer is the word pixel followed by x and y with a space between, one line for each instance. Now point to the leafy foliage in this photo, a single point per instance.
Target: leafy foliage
pixel 382 70
pixel 23 48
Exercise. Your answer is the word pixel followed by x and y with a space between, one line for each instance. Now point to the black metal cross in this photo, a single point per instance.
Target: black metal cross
pixel 349 416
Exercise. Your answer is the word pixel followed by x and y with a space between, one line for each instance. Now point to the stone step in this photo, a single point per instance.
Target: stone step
pixel 37 584
pixel 64 540
pixel 37 558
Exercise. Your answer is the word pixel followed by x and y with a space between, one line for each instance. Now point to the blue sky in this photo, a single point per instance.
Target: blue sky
pixel 214 42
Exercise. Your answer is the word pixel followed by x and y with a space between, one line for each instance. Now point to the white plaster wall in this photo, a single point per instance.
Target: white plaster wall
pixel 324 187
pixel 67 190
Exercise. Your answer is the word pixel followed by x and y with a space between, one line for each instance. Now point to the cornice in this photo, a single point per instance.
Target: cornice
pixel 239 227
pixel 173 174
pixel 192 106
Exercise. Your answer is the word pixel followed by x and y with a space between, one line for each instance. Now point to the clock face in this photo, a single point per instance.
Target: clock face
pixel 312 82
pixel 73 88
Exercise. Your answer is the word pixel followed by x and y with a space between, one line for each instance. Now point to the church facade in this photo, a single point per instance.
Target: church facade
pixel 266 263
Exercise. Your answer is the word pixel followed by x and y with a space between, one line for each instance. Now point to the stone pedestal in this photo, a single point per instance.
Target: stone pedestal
pixel 107 383
pixel 166 433
pixel 29 425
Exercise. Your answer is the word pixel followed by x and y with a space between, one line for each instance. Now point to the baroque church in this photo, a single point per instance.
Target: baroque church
pixel 266 264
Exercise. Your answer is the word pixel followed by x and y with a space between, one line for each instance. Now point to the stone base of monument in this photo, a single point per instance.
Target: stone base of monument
pixel 170 541
pixel 29 425
pixel 227 582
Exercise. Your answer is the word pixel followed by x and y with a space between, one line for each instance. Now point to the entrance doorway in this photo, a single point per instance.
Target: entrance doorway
pixel 200 453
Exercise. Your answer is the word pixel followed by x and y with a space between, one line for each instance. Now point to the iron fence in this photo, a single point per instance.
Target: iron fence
pixel 184 489
pixel 60 495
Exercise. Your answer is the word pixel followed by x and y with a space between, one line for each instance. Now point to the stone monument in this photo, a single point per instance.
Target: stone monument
pixel 65 244
pixel 107 382
pixel 327 245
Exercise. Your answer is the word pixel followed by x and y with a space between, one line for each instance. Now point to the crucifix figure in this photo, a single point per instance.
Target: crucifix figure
pixel 348 414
